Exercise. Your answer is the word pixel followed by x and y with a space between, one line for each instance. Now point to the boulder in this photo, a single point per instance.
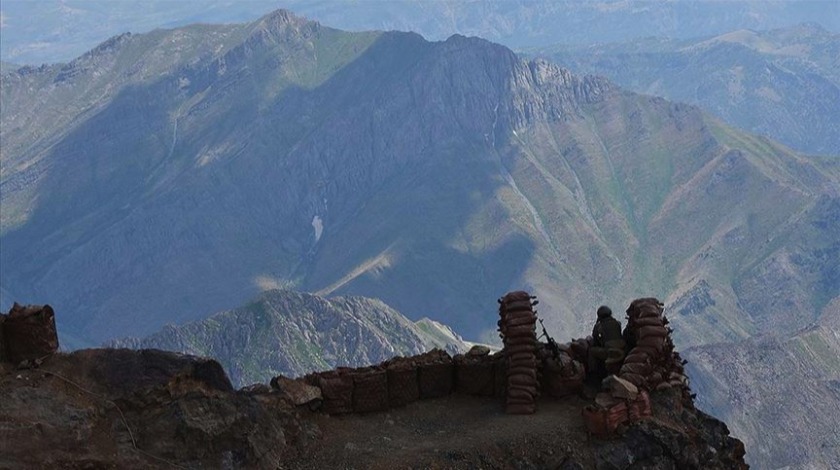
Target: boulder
pixel 298 391
pixel 478 350
pixel 620 388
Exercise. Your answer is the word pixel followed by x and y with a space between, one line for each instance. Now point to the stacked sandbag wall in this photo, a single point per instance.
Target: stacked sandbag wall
pixel 475 374
pixel 403 387
pixel 403 380
pixel 517 327
pixel 652 363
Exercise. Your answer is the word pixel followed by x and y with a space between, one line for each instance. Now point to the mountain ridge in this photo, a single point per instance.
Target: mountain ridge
pixel 289 333
pixel 545 168
pixel 783 83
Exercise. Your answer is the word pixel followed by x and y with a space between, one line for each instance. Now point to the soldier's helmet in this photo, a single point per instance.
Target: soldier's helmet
pixel 604 312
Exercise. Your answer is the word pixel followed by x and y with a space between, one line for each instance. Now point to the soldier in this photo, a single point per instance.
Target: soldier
pixel 607 351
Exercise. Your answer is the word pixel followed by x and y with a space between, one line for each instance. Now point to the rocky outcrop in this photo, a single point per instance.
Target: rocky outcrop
pixel 140 409
pixel 651 445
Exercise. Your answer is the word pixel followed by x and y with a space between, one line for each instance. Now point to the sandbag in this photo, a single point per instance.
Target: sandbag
pixel 638 369
pixel 337 391
pixel 518 331
pixel 523 391
pixel 528 347
pixel 639 357
pixel 648 331
pixel 603 422
pixel 520 380
pixel 514 296
pixel 656 342
pixel 649 313
pixel 558 386
pixel 403 386
pixel 650 351
pixel 530 362
pixel 635 379
pixel 527 371
pixel 521 342
pixel 517 305
pixel 521 320
pixel 435 380
pixel 370 391
pixel 639 408
pixel 654 378
pixel 474 377
pixel 518 315
pixel 647 321
pixel 522 362
pixel 580 349
pixel 527 357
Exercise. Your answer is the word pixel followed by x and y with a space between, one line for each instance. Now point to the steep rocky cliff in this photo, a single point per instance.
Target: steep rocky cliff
pixel 293 333
pixel 780 395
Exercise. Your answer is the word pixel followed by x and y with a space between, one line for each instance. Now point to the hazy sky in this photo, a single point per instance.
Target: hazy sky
pixel 37 31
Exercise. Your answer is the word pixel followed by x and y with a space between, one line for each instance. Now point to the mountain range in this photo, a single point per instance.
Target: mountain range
pixel 162 177
pixel 782 83
pixel 291 333
pixel 49 31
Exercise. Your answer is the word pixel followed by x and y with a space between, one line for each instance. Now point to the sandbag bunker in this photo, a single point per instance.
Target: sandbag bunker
pixel 518 375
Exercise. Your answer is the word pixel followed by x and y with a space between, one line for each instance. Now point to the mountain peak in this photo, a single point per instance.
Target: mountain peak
pixel 281 18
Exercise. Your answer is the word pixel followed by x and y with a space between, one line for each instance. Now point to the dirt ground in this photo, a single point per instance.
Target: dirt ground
pixel 452 432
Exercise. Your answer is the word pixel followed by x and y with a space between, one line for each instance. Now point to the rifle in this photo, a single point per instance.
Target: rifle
pixel 552 345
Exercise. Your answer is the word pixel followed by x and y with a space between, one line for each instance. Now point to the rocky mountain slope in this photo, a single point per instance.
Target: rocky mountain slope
pixel 790 386
pixel 291 333
pixel 183 171
pixel 151 409
pixel 782 83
